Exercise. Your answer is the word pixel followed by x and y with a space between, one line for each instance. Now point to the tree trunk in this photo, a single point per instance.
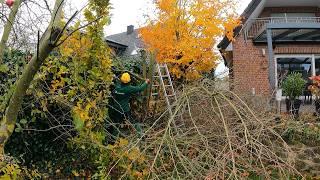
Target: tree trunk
pixel 150 75
pixel 8 27
pixel 53 32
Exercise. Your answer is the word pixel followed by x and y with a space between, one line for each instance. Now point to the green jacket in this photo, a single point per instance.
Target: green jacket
pixel 123 93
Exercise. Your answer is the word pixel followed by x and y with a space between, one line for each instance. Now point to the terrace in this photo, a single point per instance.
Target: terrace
pixel 285 29
pixel 275 30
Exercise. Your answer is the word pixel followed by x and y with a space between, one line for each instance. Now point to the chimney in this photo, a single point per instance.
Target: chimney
pixel 130 29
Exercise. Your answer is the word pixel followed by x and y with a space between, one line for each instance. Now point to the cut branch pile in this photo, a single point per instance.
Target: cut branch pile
pixel 215 135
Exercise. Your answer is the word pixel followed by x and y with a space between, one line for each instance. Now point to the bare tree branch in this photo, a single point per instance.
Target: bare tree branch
pixel 81 27
pixel 8 122
pixel 8 26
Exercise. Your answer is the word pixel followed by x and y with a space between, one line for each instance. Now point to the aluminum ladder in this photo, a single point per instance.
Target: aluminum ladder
pixel 163 75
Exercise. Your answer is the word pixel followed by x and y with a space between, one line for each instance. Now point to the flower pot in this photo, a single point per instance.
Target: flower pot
pixel 317 105
pixel 293 106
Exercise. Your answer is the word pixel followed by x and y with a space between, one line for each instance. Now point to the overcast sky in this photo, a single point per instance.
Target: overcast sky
pixel 127 12
pixel 131 12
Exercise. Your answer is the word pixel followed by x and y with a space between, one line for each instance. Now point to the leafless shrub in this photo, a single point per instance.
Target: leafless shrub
pixel 215 135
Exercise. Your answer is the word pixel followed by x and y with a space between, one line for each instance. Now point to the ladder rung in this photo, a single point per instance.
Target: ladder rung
pixel 161 74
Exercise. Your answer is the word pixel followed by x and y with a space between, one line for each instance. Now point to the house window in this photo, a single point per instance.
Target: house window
pixel 288 65
pixel 303 64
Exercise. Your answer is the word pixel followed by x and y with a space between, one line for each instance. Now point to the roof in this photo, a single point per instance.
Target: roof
pixel 115 44
pixel 245 15
pixel 132 41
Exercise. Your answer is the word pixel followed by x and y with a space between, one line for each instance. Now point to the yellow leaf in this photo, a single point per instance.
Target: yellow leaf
pixel 75 173
pixel 123 142
pixel 134 154
pixel 110 147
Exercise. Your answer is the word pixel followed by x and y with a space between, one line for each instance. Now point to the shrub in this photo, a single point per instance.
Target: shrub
pixel 213 134
pixel 121 161
pixel 293 85
pixel 66 101
pixel 12 170
pixel 315 86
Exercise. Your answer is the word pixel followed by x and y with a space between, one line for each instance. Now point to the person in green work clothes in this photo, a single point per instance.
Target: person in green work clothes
pixel 120 110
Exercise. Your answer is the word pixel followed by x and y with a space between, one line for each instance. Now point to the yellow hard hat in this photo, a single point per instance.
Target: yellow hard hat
pixel 125 78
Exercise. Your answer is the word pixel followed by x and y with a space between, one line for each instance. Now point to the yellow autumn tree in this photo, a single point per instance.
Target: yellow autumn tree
pixel 184 33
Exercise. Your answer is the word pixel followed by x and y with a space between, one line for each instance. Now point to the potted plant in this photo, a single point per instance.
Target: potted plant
pixel 293 87
pixel 315 91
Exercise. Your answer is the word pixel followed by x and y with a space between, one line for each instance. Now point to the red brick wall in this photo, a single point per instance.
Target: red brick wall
pixel 250 67
pixel 297 49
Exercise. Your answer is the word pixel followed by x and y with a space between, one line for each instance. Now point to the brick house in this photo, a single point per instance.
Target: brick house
pixel 276 37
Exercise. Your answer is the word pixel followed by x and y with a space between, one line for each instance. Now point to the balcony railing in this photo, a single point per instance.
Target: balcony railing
pixel 254 27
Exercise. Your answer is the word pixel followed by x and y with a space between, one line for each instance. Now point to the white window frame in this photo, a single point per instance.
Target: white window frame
pixel 312 56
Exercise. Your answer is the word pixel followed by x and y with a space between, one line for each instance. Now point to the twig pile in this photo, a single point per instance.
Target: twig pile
pixel 215 135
